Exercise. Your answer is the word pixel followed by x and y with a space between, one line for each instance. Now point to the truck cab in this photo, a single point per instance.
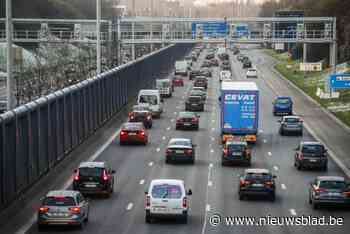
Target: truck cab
pixel 165 87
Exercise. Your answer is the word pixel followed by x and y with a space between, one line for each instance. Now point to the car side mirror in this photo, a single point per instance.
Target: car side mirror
pixel 219 99
pixel 113 171
pixel 274 176
pixel 189 192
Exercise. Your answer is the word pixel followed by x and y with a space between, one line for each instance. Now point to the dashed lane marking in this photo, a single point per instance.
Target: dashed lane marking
pixel 129 207
pixel 142 182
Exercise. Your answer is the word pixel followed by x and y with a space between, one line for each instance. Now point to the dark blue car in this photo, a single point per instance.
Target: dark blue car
pixel 282 106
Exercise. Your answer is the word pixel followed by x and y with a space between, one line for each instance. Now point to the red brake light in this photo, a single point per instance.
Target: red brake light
pixel 142 133
pixel 225 151
pixel 184 202
pixel 148 201
pixel 76 176
pixel 122 133
pixel 74 210
pixel 43 209
pixel 244 182
pixel 168 151
pixel 269 183
pixel 301 156
pixel 105 176
pixel 189 151
pixel 179 120
pixel 194 119
pixel 319 190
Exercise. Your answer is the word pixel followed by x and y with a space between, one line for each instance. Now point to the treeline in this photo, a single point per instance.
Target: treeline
pixel 56 9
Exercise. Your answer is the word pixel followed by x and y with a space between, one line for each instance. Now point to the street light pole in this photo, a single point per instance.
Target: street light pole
pixel 98 35
pixel 9 65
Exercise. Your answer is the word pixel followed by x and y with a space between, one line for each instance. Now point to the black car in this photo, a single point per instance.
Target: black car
pixel 291 124
pixel 94 178
pixel 180 149
pixel 257 182
pixel 210 56
pixel 247 64
pixel 236 152
pixel 200 81
pixel 187 120
pixel 199 93
pixel 194 73
pixel 240 57
pixel 194 103
pixel 311 155
pixel 329 190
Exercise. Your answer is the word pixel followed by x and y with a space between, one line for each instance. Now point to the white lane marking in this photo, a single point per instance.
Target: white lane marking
pixel 213 120
pixel 207 208
pixel 150 164
pixel 175 112
pixel 211 151
pixel 269 153
pixel 158 149
pixel 168 128
pixel 142 182
pixel 23 229
pixel 261 131
pixel 163 138
pixel 210 183
pixel 178 107
pixel 129 207
pixel 264 140
pixel 211 165
pixel 293 212
pixel 172 120
pixel 275 168
pixel 206 200
pixel 283 186
pixel 213 138
pixel 212 129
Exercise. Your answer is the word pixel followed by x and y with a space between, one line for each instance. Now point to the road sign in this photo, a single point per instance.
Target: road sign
pixel 310 66
pixel 213 29
pixel 340 81
pixel 239 31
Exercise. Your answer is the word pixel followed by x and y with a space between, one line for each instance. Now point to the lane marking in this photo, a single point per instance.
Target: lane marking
pixel 293 212
pixel 172 120
pixel 213 120
pixel 158 149
pixel 175 112
pixel 178 107
pixel 211 151
pixel 168 128
pixel 210 183
pixel 269 153
pixel 275 168
pixel 283 186
pixel 129 207
pixel 261 131
pixel 150 164
pixel 163 138
pixel 142 182
pixel 264 140
pixel 207 208
pixel 213 138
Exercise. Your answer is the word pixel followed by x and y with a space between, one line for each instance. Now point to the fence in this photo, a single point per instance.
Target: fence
pixel 36 136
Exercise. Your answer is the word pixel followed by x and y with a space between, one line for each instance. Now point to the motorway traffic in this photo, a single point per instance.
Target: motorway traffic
pixel 144 182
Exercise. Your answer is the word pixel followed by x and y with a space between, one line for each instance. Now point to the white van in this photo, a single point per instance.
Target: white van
pixel 181 68
pixel 167 198
pixel 153 99
pixel 165 87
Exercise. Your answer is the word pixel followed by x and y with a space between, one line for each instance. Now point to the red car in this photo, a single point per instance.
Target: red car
pixel 178 81
pixel 133 133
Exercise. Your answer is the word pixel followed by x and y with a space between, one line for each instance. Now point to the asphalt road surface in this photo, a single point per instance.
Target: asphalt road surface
pixel 214 187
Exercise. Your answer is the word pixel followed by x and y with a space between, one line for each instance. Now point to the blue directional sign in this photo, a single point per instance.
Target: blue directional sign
pixel 209 29
pixel 340 81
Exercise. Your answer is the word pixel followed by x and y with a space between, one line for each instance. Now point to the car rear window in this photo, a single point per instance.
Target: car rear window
pixel 59 201
pixel 90 171
pixel 332 184
pixel 166 191
pixel 186 115
pixel 283 101
pixel 180 142
pixel 258 176
pixel 236 147
pixel 151 99
pixel 133 126
pixel 194 99
pixel 312 149
pixel 291 120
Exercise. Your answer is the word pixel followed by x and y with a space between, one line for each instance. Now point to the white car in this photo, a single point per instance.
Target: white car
pixel 252 73
pixel 224 75
pixel 199 88
pixel 167 198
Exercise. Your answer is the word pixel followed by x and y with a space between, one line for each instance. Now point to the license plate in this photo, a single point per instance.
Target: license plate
pixel 333 194
pixel 187 124
pixel 58 214
pixel 132 133
pixel 194 104
pixel 179 151
pixel 313 160
pixel 257 185
pixel 236 154
pixel 160 209
pixel 90 185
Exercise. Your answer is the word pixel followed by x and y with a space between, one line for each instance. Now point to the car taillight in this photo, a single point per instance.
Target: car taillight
pixel 269 184
pixel 148 201
pixel 104 176
pixel 149 117
pixel 244 182
pixel 184 202
pixel 189 151
pixel 319 190
pixel 132 117
pixel 76 176
pixel 301 157
pixel 194 119
pixel 225 151
pixel 347 194
pixel 179 121
pixel 43 210
pixel 74 210
pixel 142 133
pixel 168 151
pixel 123 133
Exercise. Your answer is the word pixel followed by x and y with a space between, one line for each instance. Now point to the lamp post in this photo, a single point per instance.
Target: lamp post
pixel 9 65
pixel 98 35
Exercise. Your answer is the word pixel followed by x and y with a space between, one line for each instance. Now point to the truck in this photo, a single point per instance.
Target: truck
pixel 239 115
pixel 181 68
pixel 165 87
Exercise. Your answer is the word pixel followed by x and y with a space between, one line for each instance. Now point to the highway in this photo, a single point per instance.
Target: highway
pixel 214 187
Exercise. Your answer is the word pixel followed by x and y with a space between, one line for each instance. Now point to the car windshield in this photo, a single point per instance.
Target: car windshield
pixel 282 101
pixel 258 176
pixel 166 191
pixel 332 184
pixel 59 201
pixel 140 108
pixel 90 171
pixel 194 99
pixel 312 149
pixel 163 84
pixel 133 126
pixel 291 120
pixel 180 142
pixel 233 147
pixel 186 115
pixel 151 99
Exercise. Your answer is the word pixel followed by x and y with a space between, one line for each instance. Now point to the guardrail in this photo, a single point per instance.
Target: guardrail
pixel 36 136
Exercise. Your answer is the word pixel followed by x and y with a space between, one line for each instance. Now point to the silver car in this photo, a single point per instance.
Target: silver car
pixel 291 124
pixel 63 207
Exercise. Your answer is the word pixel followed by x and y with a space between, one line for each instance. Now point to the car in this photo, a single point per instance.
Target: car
pixel 200 81
pixel 329 190
pixel 236 152
pixel 187 120
pixel 247 64
pixel 94 178
pixel 167 198
pixel 181 150
pixel 210 55
pixel 152 99
pixel 133 133
pixel 141 114
pixel 188 59
pixel 225 62
pixel 226 67
pixel 206 72
pixel 194 103
pixel 178 81
pixel 214 62
pixel 311 155
pixel 63 207
pixel 206 63
pixel 252 73
pixel 199 88
pixel 194 73
pixel 201 93
pixel 225 75
pixel 258 182
pixel 291 124
pixel 240 57
pixel 282 105
pixel 224 56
